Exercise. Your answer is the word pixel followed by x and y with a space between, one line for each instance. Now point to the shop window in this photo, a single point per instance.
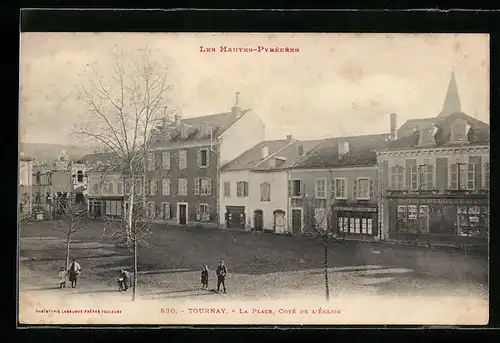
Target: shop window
pixel 412 225
pixel 468 220
pixel 423 224
pixel 343 224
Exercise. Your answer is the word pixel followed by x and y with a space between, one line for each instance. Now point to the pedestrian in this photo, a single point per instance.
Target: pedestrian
pixel 204 277
pixel 74 273
pixel 62 277
pixel 221 276
pixel 124 280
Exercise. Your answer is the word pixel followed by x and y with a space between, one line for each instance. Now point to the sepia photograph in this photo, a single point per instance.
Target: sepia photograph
pixel 253 178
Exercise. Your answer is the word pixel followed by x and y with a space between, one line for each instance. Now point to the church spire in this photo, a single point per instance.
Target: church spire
pixel 452 100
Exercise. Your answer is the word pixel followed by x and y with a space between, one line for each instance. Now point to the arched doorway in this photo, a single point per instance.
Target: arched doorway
pixel 258 220
pixel 279 221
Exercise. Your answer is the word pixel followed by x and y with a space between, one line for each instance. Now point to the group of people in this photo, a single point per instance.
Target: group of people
pixel 221 273
pixel 72 274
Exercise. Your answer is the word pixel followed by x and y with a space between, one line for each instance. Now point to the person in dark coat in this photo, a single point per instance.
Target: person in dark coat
pixel 204 277
pixel 221 276
pixel 74 273
pixel 124 280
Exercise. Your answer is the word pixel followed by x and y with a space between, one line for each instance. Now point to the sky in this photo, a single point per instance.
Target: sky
pixel 335 85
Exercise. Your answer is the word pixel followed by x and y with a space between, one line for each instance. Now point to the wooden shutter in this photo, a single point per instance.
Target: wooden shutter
pixel 334 189
pixel 208 157
pixel 302 188
pixel 198 209
pixel 196 186
pixel 162 213
pixel 289 188
pixel 198 158
pixel 354 189
pixel 246 188
pixel 209 181
pixel 207 215
pixel 372 190
pixel 429 177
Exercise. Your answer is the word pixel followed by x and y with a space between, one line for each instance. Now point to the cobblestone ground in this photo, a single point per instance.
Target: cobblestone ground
pixel 261 268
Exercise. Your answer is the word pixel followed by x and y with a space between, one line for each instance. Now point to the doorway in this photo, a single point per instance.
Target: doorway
pixel 235 217
pixel 258 219
pixel 182 213
pixel 296 221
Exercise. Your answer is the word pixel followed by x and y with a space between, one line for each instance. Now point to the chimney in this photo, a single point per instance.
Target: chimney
pixel 289 138
pixel 264 151
pixel 177 119
pixel 343 147
pixel 394 123
pixel 236 109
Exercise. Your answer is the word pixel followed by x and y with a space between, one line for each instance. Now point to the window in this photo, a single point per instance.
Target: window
pixel 182 186
pixel 166 210
pixel 151 210
pixel 119 188
pixel 151 162
pixel 486 176
pixel 203 213
pixel 242 189
pixel 341 188
pixel 79 176
pixel 37 178
pixel 463 173
pixel 343 224
pixel 203 186
pixel 469 221
pixel 166 186
pixel 362 188
pixel 154 187
pixel 147 187
pixel 397 177
pixel 265 191
pixel 166 160
pixel 138 186
pixel 227 189
pixel 205 131
pixel 413 178
pixel 111 188
pixel 300 150
pixel 320 218
pixel 423 225
pixel 127 187
pixel 320 188
pixel 297 188
pixel 182 159
pixel 203 157
pixel 184 133
pixel 158 162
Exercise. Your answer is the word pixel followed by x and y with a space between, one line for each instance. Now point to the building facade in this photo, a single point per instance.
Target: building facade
pixel 182 174
pixel 106 191
pixel 253 189
pixel 334 188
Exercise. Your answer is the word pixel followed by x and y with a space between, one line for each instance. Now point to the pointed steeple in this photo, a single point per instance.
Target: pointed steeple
pixel 452 100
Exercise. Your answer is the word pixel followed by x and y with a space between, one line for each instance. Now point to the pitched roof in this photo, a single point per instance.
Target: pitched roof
pixel 409 133
pixel 96 157
pixel 326 155
pixel 25 158
pixel 218 123
pixel 452 99
pixel 251 157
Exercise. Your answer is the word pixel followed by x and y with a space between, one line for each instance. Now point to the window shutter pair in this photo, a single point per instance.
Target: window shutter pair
pixel 355 189
pixel 196 186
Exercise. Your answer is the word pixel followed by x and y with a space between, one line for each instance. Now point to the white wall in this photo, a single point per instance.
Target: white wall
pixel 243 135
pixel 279 195
pixel 94 178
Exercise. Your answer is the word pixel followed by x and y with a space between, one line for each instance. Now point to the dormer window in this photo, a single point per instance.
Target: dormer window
pixel 205 131
pixel 458 131
pixel 184 133
pixel 426 137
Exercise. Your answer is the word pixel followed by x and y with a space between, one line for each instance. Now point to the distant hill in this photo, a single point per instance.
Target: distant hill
pixel 51 152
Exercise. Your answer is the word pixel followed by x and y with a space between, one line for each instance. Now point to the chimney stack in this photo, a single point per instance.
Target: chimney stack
pixel 343 147
pixel 393 123
pixel 177 119
pixel 289 138
pixel 264 151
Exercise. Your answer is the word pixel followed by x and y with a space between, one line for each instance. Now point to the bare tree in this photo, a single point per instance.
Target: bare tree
pixel 70 222
pixel 123 111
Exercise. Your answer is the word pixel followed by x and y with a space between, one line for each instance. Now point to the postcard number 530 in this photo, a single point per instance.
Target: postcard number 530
pixel 168 310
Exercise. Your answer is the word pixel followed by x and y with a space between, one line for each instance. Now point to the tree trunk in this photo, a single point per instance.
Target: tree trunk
pixel 130 210
pixel 327 290
pixel 134 286
pixel 68 239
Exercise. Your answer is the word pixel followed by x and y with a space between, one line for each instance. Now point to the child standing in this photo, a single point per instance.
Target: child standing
pixel 62 277
pixel 204 277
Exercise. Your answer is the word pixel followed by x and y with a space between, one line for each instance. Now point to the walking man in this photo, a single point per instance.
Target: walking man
pixel 74 273
pixel 221 276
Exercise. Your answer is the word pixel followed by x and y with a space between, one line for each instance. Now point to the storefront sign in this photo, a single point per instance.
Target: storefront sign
pixel 444 201
pixel 355 209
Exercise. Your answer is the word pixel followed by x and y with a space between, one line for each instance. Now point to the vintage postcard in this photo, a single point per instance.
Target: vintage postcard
pixel 238 178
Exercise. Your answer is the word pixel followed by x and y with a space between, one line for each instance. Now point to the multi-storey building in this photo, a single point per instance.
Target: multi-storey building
pixel 106 191
pixel 334 188
pixel 183 166
pixel 25 184
pixel 80 180
pixel 435 178
pixel 253 187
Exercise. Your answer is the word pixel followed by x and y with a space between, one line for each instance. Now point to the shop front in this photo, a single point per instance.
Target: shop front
pixel 107 207
pixel 450 219
pixel 360 220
